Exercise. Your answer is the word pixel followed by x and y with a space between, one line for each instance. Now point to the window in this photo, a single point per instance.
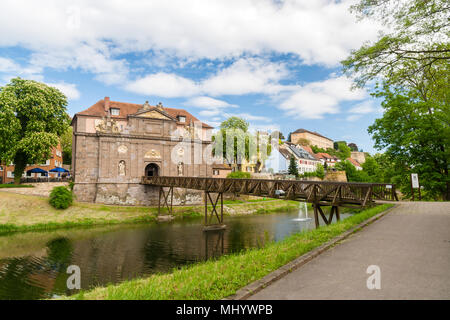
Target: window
pixel 1 168
pixel 115 111
pixel 10 174
pixel 182 118
pixel 216 172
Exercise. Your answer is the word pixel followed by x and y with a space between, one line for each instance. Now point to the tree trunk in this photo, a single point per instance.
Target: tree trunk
pixel 20 163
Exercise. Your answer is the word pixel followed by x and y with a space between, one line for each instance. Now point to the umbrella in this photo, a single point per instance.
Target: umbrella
pixel 59 169
pixel 37 170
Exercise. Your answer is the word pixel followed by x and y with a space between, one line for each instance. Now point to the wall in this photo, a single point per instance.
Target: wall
pixel 315 140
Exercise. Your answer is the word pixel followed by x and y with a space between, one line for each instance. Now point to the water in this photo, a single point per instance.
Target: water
pixel 33 265
pixel 302 212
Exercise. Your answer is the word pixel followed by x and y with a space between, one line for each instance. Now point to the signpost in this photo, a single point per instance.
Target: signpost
pixel 415 185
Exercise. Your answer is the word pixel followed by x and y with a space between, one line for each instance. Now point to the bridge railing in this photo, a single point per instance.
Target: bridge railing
pixel 320 192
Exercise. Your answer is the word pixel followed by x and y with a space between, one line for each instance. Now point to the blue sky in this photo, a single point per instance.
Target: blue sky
pixel 274 63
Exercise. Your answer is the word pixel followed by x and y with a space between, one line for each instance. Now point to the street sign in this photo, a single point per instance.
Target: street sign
pixel 415 180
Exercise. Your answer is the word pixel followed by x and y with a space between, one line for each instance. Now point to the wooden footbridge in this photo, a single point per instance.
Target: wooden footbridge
pixel 319 193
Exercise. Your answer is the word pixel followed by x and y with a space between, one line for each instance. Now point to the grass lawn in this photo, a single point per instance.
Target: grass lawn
pixel 25 213
pixel 217 279
pixel 9 185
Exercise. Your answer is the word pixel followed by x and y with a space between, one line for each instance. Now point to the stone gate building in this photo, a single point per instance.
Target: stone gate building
pixel 116 143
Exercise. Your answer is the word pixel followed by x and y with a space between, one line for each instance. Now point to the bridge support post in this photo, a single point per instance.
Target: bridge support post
pixel 165 197
pixel 318 210
pixel 214 214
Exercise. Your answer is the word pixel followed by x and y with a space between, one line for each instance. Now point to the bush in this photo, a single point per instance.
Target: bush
pixel 61 198
pixel 239 175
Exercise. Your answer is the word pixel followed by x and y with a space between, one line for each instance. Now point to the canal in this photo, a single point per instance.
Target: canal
pixel 33 265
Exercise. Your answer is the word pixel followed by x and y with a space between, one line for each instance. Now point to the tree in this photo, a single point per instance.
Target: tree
pixel 235 123
pixel 244 145
pixel 353 175
pixel 320 171
pixel 32 117
pixel 303 142
pixel 293 168
pixel 66 146
pixel 417 40
pixel 353 146
pixel 343 151
pixel 416 137
pixel 279 134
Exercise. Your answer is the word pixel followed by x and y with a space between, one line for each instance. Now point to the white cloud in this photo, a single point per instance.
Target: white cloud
pixel 315 99
pixel 92 36
pixel 249 117
pixel 208 103
pixel 69 89
pixel 363 108
pixel 10 69
pixel 164 85
pixel 244 76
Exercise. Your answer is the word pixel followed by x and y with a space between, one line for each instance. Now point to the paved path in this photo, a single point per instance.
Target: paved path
pixel 411 245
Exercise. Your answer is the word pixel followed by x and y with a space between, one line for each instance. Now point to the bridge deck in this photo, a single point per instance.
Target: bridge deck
pixel 317 192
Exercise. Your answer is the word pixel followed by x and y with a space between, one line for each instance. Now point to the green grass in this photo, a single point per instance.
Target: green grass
pixel 9 185
pixel 217 279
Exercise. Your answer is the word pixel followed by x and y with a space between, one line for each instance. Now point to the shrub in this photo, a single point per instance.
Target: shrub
pixel 61 198
pixel 239 175
pixel 71 184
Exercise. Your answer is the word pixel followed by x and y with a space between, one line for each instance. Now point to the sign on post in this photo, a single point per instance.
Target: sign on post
pixel 415 180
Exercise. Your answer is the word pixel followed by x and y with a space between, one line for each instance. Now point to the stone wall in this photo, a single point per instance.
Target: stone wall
pixel 132 194
pixel 337 176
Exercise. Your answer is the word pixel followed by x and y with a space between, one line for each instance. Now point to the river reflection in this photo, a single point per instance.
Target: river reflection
pixel 33 265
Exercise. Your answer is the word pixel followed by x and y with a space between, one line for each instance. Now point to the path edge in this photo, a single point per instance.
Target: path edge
pixel 258 285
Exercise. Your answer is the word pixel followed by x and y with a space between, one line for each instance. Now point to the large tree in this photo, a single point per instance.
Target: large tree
pixel 415 38
pixel 66 146
pixel 416 138
pixel 32 117
pixel 238 144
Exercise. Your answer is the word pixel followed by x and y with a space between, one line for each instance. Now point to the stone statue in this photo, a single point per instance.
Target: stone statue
pixel 180 168
pixel 121 168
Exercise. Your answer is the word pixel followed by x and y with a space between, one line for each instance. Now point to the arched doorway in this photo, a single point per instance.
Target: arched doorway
pixel 151 170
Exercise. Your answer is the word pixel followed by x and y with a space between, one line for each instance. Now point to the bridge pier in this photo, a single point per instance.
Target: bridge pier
pixel 213 215
pixel 318 211
pixel 165 197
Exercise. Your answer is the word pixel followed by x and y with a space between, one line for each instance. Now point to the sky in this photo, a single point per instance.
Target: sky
pixel 274 63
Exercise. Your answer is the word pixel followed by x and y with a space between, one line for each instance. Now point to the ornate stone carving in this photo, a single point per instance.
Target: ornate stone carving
pixel 152 154
pixel 180 167
pixel 106 125
pixel 122 149
pixel 122 168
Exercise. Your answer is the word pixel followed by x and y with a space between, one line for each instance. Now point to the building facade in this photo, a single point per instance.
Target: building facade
pixel 116 143
pixel 358 156
pixel 55 160
pixel 314 138
pixel 278 162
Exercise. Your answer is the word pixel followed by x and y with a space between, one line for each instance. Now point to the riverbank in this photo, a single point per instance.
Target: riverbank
pixel 217 279
pixel 20 212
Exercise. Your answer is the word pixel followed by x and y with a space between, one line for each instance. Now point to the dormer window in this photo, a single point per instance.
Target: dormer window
pixel 115 111
pixel 182 119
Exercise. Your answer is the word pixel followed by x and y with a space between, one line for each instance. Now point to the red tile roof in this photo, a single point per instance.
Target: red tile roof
pixel 354 162
pixel 126 109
